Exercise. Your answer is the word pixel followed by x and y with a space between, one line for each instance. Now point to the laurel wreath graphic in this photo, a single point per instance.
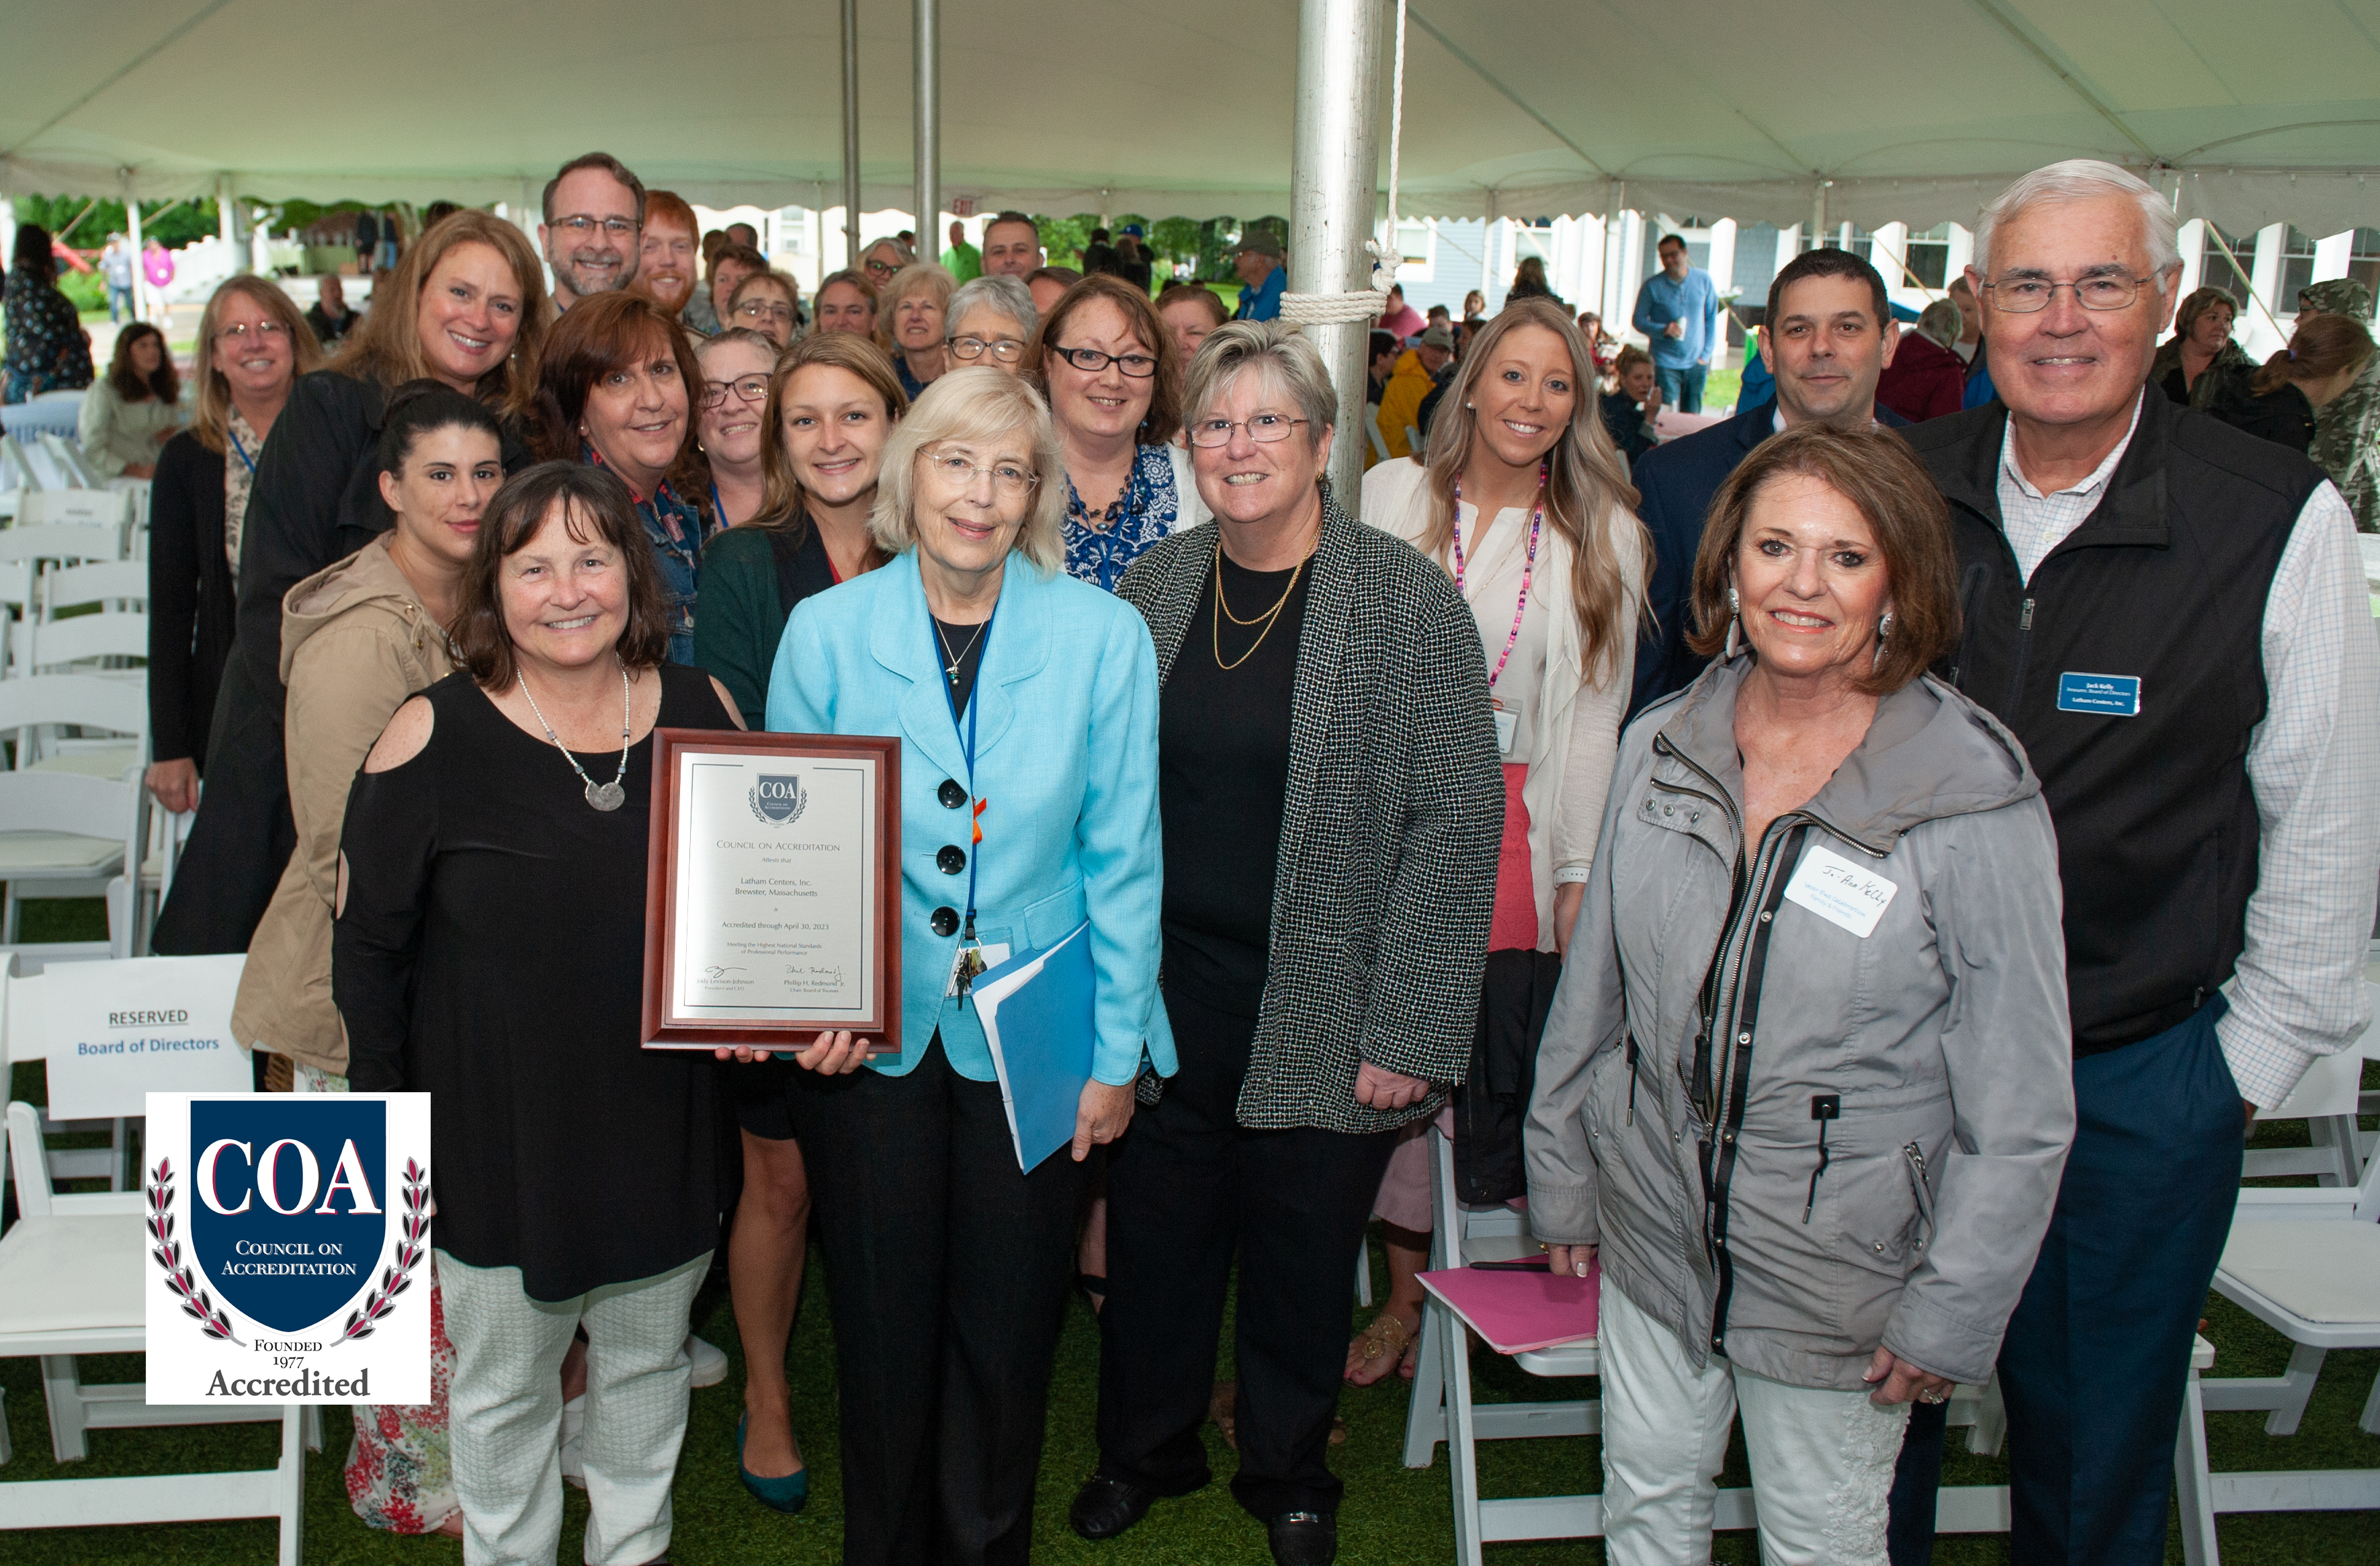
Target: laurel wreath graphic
pixel 405 1254
pixel 801 803
pixel 168 1251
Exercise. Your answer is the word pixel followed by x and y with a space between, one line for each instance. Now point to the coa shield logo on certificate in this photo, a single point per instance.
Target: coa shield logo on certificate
pixel 779 801
pixel 288 1239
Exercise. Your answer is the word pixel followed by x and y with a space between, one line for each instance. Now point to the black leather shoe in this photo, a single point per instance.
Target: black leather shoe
pixel 1104 1507
pixel 1304 1538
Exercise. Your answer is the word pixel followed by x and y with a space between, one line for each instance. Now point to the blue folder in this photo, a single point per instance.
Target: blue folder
pixel 1039 1019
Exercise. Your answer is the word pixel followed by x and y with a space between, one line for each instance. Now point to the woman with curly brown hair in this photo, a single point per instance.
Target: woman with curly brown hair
pixel 615 387
pixel 132 410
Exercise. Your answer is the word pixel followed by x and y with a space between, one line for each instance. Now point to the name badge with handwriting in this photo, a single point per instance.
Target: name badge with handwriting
pixel 1840 892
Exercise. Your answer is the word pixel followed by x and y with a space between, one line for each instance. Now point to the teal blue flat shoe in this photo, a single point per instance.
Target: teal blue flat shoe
pixel 788 1493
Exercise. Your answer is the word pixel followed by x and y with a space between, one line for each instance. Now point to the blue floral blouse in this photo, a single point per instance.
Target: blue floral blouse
pixel 1099 548
pixel 674 526
pixel 47 350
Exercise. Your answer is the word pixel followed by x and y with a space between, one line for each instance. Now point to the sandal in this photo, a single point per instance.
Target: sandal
pixel 1385 1343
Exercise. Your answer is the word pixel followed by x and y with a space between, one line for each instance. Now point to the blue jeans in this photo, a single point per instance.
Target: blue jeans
pixel 2098 1351
pixel 1682 389
pixel 119 298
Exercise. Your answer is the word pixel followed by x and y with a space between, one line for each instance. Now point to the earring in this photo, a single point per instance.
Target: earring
pixel 1883 628
pixel 1734 626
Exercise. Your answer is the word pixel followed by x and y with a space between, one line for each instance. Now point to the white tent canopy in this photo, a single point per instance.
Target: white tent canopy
pixel 1911 111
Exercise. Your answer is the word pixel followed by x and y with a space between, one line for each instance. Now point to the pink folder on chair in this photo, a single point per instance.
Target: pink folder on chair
pixel 1515 1312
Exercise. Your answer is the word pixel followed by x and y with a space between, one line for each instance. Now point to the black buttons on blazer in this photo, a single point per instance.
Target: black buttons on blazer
pixel 950 794
pixel 951 859
pixel 945 921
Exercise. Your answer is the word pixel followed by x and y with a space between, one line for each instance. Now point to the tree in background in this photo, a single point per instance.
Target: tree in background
pixel 173 224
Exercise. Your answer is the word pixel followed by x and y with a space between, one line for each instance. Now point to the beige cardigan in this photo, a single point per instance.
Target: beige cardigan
pixel 355 644
pixel 1577 724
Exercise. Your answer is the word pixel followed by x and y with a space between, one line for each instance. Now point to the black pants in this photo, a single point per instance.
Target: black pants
pixel 1189 1187
pixel 947 1269
pixel 244 835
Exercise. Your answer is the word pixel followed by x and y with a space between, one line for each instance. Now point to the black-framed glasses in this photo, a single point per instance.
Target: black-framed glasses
pixel 1262 428
pixel 1090 361
pixel 749 388
pixel 579 226
pixel 883 268
pixel 239 332
pixel 2026 296
pixel 962 473
pixel 1007 351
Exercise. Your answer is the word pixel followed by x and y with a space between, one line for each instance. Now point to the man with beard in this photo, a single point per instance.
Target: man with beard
pixel 593 227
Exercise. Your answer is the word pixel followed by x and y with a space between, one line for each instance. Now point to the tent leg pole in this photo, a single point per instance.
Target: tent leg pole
pixel 850 132
pixel 1334 174
pixel 926 199
pixel 139 264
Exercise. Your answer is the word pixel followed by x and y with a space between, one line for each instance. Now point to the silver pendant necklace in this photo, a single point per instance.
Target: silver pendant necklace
pixel 603 796
pixel 958 658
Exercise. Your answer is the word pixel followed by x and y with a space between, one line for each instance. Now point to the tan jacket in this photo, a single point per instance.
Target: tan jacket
pixel 355 643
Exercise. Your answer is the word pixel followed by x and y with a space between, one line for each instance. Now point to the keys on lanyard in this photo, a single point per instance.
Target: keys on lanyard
pixel 971 960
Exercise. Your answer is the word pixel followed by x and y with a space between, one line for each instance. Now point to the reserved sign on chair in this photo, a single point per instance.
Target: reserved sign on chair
pixel 115 1032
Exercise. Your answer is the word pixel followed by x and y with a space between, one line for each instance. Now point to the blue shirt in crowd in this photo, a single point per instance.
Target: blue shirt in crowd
pixel 1263 303
pixel 1695 301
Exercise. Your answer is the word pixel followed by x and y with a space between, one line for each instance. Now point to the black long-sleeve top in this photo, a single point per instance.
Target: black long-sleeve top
pixel 192 607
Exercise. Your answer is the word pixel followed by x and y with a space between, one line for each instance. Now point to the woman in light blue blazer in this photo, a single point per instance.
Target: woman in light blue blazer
pixel 1026 704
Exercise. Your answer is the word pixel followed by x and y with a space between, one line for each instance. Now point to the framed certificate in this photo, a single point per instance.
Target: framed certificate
pixel 772 901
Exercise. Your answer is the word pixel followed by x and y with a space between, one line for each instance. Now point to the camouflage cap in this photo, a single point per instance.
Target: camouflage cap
pixel 2340 295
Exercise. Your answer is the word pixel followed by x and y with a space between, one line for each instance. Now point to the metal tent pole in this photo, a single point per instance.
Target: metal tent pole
pixel 1334 169
pixel 926 42
pixel 139 270
pixel 850 132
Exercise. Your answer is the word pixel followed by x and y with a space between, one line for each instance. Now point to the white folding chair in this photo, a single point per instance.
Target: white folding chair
pixel 23 1037
pixel 67 834
pixel 2306 1263
pixel 101 645
pixel 73 1272
pixel 38 709
pixel 68 506
pixel 70 460
pixel 1372 431
pixel 114 585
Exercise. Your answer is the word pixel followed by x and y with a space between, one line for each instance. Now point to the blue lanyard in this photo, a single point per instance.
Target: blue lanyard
pixel 966 745
pixel 237 446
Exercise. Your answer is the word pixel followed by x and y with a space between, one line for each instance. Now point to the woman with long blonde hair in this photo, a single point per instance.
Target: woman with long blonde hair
pixel 1523 500
pixel 466 307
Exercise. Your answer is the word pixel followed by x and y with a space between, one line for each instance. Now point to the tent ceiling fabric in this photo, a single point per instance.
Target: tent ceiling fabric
pixel 1915 110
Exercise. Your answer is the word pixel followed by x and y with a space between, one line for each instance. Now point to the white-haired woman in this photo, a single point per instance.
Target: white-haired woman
pixel 1526 504
pixel 1027 703
pixel 1327 789
pixel 992 322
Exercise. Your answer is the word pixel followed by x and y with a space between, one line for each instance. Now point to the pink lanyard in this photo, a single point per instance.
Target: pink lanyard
pixel 1528 566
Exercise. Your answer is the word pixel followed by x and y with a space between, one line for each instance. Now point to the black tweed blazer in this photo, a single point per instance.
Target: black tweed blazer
pixel 1387 876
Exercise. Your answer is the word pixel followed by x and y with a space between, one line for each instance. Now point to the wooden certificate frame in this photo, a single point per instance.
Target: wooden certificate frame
pixel 810 902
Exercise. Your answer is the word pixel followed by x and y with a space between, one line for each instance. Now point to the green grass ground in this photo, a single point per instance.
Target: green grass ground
pixel 1392 1516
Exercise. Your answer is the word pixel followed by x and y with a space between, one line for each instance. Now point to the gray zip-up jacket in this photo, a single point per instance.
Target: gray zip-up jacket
pixel 1932 1053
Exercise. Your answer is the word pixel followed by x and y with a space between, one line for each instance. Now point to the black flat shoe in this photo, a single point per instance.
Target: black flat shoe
pixel 1304 1538
pixel 1104 1507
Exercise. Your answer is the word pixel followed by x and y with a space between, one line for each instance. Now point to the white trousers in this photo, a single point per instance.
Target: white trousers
pixel 505 1411
pixel 1821 1460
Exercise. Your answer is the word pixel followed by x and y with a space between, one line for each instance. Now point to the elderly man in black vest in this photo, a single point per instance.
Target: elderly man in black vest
pixel 2172 617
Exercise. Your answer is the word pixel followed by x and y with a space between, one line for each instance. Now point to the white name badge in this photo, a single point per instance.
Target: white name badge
pixel 1840 892
pixel 1508 727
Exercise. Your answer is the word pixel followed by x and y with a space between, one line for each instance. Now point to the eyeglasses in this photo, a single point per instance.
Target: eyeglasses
pixel 2024 296
pixel 961 473
pixel 750 388
pixel 882 268
pixel 1262 428
pixel 263 331
pixel 1090 361
pixel 1007 351
pixel 765 310
pixel 581 227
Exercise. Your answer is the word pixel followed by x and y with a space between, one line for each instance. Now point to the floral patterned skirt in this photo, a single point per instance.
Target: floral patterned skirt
pixel 400 1469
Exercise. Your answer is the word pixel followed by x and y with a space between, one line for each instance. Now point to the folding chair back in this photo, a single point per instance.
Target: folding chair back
pixel 57 646
pixel 33 539
pixel 113 585
pixel 70 460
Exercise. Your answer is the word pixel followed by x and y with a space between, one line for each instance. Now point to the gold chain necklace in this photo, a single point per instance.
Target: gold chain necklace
pixel 1265 619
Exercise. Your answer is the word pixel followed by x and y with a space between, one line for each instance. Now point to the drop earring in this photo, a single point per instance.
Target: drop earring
pixel 1883 629
pixel 1734 626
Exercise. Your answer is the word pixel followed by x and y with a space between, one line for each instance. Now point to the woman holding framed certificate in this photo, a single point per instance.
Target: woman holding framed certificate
pixel 1025 704
pixel 488 949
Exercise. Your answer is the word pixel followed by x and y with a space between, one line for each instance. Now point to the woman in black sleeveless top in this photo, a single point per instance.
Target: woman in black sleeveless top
pixel 489 951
